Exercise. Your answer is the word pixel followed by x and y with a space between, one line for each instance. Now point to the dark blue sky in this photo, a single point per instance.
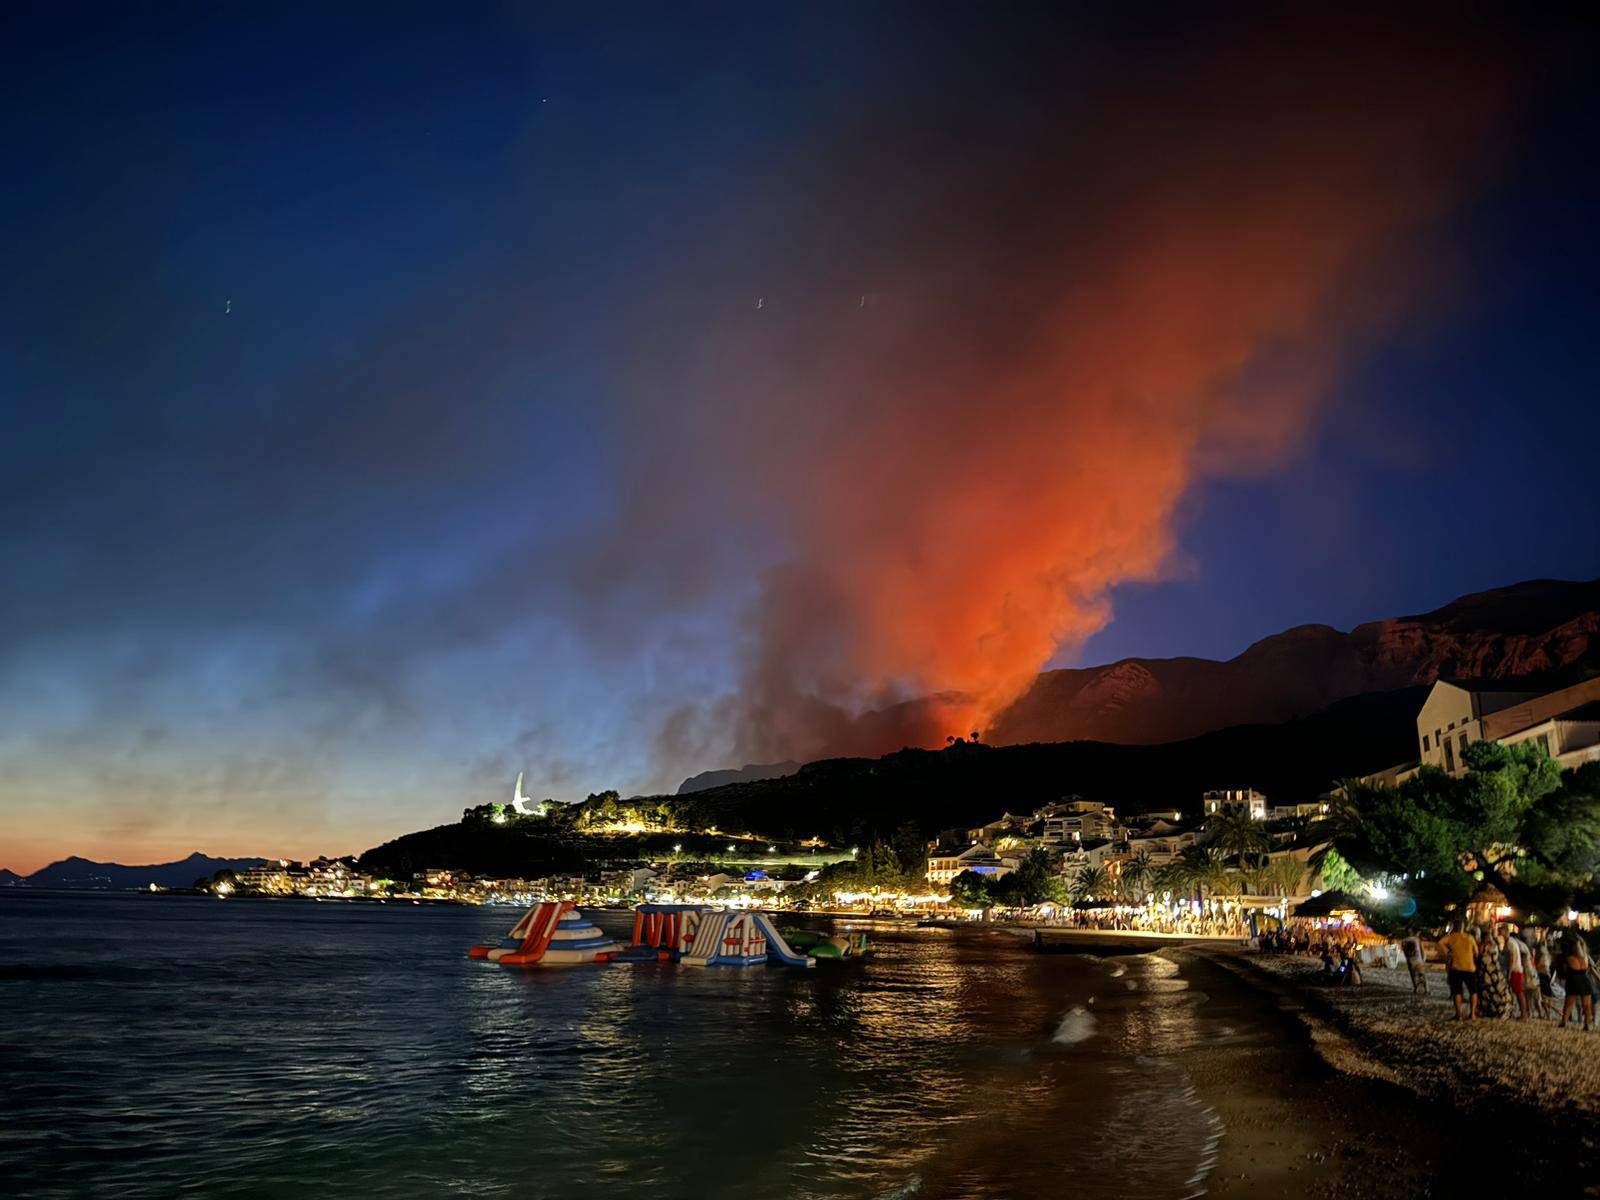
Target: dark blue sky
pixel 334 350
pixel 1455 458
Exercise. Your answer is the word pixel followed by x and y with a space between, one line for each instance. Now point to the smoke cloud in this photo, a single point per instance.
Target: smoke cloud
pixel 962 380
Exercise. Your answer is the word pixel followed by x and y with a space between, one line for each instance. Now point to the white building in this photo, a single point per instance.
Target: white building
pixel 1284 812
pixel 268 877
pixel 1093 852
pixel 1566 722
pixel 1221 801
pixel 1076 821
pixel 1162 848
pixel 1452 719
pixel 1009 825
pixel 942 868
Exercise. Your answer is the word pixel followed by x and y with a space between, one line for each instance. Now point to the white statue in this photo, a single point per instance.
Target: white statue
pixel 524 806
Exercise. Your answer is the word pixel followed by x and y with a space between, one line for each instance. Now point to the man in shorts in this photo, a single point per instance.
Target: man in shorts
pixel 1461 969
pixel 1523 975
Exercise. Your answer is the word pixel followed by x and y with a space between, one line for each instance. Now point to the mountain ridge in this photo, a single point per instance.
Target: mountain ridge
pixel 1540 627
pixel 1545 632
pixel 76 873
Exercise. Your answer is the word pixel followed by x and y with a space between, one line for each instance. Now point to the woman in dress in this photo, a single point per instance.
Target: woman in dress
pixel 1580 982
pixel 1494 996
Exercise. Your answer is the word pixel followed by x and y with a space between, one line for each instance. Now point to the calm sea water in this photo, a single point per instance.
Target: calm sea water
pixel 152 1046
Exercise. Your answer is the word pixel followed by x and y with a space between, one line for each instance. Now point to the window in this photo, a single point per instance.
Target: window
pixel 1463 745
pixel 1424 743
pixel 1544 742
pixel 1449 757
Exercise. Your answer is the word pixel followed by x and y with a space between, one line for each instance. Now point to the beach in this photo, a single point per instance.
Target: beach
pixel 1368 1091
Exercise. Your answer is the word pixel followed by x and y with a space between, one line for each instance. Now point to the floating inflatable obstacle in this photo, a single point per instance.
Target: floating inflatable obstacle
pixel 826 947
pixel 661 931
pixel 553 933
pixel 737 939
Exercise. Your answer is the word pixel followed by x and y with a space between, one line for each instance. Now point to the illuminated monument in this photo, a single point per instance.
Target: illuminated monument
pixel 523 805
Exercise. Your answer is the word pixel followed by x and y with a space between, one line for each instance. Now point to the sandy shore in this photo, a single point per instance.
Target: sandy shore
pixel 1343 1092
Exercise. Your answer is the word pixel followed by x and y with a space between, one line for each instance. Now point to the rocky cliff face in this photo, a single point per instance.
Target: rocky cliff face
pixel 1546 628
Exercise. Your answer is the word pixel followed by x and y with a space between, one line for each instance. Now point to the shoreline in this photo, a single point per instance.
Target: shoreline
pixel 1314 1105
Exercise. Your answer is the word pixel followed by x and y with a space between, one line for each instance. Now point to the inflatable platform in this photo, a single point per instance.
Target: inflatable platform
pixel 738 939
pixel 825 947
pixel 660 932
pixel 554 933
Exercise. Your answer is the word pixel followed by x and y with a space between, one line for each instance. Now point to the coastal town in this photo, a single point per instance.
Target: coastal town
pixel 1227 863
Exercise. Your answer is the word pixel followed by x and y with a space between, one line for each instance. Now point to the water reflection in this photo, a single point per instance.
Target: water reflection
pixel 256 1049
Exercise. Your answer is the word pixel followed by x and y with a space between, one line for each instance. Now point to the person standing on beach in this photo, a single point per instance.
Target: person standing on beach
pixel 1579 974
pixel 1411 949
pixel 1494 997
pixel 1461 966
pixel 1546 968
pixel 1515 957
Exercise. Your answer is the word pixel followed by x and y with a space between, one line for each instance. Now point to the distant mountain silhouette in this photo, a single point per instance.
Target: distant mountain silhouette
pixel 80 874
pixel 749 773
pixel 9 878
pixel 1548 629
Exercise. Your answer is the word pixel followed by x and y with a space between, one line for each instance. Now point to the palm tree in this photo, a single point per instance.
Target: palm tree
pixel 1343 818
pixel 1235 831
pixel 1198 868
pixel 1228 882
pixel 1138 875
pixel 1284 875
pixel 1256 878
pixel 1091 881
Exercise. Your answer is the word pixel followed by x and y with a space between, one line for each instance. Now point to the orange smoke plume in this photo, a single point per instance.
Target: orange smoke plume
pixel 989 361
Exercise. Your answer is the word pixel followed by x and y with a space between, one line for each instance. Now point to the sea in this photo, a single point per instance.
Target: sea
pixel 160 1046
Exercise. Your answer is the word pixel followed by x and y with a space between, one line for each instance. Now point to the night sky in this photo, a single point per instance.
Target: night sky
pixel 613 393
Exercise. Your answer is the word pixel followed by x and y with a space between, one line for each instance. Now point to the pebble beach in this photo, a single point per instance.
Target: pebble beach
pixel 1522 1079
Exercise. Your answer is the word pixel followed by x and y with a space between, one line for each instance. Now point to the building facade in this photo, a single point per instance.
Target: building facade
pixel 1226 799
pixel 943 868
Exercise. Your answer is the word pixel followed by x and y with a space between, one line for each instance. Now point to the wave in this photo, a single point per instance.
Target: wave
pixel 1076 1025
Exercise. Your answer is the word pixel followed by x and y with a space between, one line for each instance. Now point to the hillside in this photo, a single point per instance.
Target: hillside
pixel 749 773
pixel 848 800
pixel 1547 628
pixel 9 878
pixel 81 874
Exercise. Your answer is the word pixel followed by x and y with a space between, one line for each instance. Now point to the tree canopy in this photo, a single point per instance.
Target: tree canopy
pixel 1513 820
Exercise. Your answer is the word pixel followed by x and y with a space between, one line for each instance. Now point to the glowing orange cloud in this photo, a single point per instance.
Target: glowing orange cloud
pixel 997 363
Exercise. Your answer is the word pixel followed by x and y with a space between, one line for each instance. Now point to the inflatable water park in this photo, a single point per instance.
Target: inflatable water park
pixel 550 934
pixel 554 933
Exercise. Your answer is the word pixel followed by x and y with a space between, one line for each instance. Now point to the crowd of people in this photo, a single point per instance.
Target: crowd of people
pixel 1159 919
pixel 1492 971
pixel 1499 970
pixel 1337 947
